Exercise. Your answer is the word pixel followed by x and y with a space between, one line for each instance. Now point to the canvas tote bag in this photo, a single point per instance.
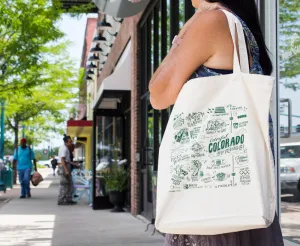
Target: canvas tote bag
pixel 216 169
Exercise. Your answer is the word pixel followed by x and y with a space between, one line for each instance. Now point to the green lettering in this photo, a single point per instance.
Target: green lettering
pixel 222 144
pixel 215 147
pixel 242 139
pixel 210 149
pixel 227 143
pixel 232 141
pixel 219 146
pixel 238 138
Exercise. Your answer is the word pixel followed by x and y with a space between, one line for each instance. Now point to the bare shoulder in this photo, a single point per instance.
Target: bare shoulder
pixel 212 20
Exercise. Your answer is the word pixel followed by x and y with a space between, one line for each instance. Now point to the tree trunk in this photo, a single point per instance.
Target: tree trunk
pixel 16 132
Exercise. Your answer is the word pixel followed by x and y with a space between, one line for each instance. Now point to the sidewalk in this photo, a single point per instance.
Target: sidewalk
pixel 40 222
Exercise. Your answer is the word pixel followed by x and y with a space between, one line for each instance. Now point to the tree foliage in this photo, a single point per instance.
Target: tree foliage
pixel 43 108
pixel 37 78
pixel 289 27
pixel 27 28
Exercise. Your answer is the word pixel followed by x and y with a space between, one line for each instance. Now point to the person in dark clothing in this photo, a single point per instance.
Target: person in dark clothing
pixel 73 164
pixel 54 164
pixel 204 48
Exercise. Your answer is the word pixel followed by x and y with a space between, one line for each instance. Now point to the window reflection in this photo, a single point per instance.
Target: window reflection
pixel 108 148
pixel 289 61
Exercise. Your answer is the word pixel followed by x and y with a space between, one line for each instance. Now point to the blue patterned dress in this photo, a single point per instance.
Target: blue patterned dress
pixel 270 236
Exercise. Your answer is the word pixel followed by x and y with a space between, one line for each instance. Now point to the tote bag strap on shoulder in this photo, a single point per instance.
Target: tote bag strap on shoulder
pixel 235 26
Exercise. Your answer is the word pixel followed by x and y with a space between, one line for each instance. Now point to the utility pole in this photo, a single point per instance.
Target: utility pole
pixel 2 130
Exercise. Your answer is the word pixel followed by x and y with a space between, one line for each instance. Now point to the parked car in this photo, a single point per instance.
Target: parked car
pixel 46 163
pixel 290 169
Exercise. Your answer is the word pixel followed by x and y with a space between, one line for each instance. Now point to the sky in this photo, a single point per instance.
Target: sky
pixel 74 30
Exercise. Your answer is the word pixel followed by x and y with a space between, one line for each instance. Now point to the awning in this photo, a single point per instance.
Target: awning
pixel 115 86
pixel 79 128
pixel 121 8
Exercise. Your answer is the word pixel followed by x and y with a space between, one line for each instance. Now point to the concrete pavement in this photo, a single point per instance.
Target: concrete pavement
pixel 290 221
pixel 40 222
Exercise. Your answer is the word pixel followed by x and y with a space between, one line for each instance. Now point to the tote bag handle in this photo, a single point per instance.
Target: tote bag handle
pixel 235 26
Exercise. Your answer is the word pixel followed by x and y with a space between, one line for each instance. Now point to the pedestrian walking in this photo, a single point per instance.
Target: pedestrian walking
pixel 54 165
pixel 23 157
pixel 64 170
pixel 204 48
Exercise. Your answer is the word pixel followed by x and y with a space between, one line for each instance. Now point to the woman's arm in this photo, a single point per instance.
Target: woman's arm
pixel 198 44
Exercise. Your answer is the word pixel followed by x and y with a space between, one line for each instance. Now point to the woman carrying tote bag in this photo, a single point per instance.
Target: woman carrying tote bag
pixel 216 184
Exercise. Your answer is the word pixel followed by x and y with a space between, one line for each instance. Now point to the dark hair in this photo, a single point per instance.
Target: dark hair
pixel 66 138
pixel 247 11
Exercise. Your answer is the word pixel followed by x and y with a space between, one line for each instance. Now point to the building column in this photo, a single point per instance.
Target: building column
pixel 135 122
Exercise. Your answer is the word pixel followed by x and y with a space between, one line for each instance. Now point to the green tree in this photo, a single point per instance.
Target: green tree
pixel 8 146
pixel 26 28
pixel 43 108
pixel 289 27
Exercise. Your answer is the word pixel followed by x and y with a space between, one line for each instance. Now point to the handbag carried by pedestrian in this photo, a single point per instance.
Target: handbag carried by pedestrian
pixel 216 169
pixel 36 178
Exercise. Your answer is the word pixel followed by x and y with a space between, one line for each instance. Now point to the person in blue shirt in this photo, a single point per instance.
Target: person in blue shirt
pixel 24 156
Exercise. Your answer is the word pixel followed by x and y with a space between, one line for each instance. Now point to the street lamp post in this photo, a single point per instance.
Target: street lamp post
pixel 2 130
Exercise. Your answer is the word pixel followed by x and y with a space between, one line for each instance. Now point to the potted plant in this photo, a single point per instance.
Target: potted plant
pixel 116 182
pixel 116 185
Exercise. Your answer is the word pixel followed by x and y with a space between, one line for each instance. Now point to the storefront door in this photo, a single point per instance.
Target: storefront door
pixel 108 129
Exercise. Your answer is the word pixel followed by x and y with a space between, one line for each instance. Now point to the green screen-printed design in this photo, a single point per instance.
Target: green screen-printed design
pixel 182 136
pixel 178 121
pixel 194 119
pixel 220 110
pixel 216 126
pixel 209 149
pixel 221 176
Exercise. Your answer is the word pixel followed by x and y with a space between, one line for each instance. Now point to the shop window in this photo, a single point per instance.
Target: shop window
pixel 109 147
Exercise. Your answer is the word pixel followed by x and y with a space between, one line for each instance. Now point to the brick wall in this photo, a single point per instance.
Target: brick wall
pixel 135 122
pixel 88 38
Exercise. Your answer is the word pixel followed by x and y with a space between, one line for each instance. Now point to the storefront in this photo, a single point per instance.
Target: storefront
pixel 111 126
